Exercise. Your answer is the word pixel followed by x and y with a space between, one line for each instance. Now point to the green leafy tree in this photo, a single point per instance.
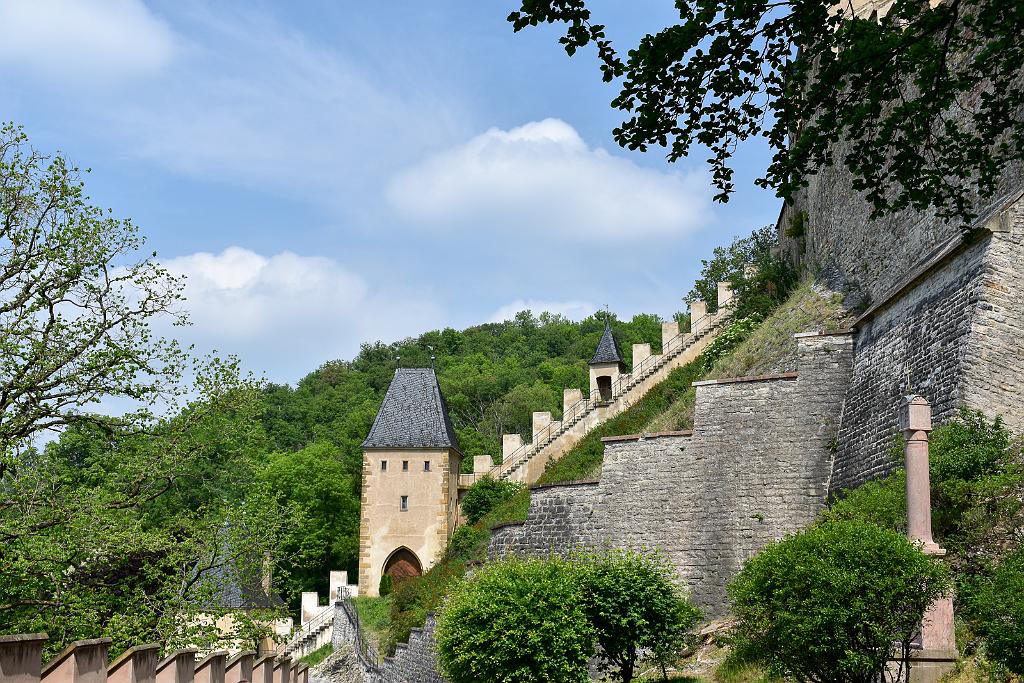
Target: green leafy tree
pixel 999 608
pixel 314 484
pixel 486 494
pixel 77 303
pixel 901 91
pixel 827 604
pixel 634 604
pixel 517 620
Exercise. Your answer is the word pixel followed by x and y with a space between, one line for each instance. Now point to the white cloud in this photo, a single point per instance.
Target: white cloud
pixel 573 310
pixel 286 314
pixel 543 178
pixel 83 42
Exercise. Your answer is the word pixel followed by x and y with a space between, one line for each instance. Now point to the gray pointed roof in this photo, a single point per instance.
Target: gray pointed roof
pixel 413 415
pixel 607 348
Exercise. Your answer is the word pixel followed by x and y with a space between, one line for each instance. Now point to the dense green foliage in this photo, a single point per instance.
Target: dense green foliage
pixel 998 608
pixel 805 74
pixel 126 526
pixel 542 619
pixel 519 620
pixel 827 604
pixel 977 478
pixel 634 604
pixel 760 280
pixel 485 494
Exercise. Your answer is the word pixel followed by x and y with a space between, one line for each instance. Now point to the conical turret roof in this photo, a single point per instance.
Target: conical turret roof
pixel 607 348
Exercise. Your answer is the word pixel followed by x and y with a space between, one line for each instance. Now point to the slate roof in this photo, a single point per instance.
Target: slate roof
pixel 607 348
pixel 413 415
pixel 233 591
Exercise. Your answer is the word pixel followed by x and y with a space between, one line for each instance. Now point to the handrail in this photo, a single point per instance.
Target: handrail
pixel 364 651
pixel 314 625
pixel 514 461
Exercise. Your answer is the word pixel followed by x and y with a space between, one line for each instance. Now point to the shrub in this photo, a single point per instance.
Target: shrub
pixel 634 604
pixel 999 607
pixel 828 603
pixel 517 620
pixel 386 586
pixel 466 542
pixel 486 494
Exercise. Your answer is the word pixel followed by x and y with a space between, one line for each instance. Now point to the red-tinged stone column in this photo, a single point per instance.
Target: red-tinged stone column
pixel 21 657
pixel 84 661
pixel 135 665
pixel 239 668
pixel 937 653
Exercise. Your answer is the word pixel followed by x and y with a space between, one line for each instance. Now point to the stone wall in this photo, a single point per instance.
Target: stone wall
pixel 951 332
pixel 413 662
pixel 755 468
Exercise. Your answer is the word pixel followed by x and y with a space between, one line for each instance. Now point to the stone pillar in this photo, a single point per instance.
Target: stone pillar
pixel 21 657
pixel 938 653
pixel 510 443
pixel 211 668
pixel 263 669
pixel 309 608
pixel 541 419
pixel 669 332
pixel 570 397
pixel 482 464
pixel 84 661
pixel 698 316
pixel 177 667
pixel 641 352
pixel 135 665
pixel 724 294
pixel 239 668
pixel 338 580
pixel 283 670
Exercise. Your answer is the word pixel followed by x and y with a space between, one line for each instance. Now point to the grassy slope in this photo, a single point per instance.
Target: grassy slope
pixel 668 406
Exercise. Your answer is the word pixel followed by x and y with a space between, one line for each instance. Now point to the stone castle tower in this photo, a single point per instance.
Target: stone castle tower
pixel 411 461
pixel 606 366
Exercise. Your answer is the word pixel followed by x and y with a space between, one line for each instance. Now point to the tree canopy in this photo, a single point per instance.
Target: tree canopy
pixel 926 99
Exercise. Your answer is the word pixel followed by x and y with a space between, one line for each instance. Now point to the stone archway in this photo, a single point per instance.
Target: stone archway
pixel 402 564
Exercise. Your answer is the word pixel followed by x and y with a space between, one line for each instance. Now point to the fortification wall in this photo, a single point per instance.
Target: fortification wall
pixel 754 469
pixel 951 331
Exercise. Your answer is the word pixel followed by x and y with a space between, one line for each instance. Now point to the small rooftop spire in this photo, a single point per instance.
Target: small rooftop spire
pixel 607 349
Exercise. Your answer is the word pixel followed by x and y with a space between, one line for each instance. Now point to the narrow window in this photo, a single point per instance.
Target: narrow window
pixel 383 465
pixel 403 505
pixel 426 465
pixel 405 465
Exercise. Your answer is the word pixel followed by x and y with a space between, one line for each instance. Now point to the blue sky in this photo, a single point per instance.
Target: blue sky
pixel 328 173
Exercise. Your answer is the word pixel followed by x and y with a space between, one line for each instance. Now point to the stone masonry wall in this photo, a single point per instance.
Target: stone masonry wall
pixel 755 468
pixel 413 662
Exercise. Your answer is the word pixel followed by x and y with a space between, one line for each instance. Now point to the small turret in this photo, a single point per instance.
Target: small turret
pixel 606 366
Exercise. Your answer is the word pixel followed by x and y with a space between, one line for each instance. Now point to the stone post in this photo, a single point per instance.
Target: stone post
pixel 724 294
pixel 263 669
pixel 84 661
pixel 482 464
pixel 641 352
pixel 135 665
pixel 309 607
pixel 211 668
pixel 239 668
pixel 510 443
pixel 698 316
pixel 21 658
pixel 938 651
pixel 669 332
pixel 283 670
pixel 541 419
pixel 177 667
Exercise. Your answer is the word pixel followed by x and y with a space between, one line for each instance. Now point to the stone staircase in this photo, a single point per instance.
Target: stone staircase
pixel 551 440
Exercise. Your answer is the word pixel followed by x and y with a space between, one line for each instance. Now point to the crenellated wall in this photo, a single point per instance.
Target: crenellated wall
pixel 755 467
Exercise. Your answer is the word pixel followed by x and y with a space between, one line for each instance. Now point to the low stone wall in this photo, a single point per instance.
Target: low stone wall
pixel 755 468
pixel 413 662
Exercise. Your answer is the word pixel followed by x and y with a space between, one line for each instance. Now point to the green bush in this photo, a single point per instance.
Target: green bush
pixel 999 606
pixel 466 542
pixel 634 604
pixel 519 620
pixel 828 603
pixel 386 586
pixel 486 494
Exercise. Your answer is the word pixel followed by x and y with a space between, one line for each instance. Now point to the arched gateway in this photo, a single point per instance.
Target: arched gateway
pixel 402 564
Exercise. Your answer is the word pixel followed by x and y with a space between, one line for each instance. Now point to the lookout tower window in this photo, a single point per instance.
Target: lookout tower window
pixel 604 387
pixel 383 465
pixel 405 465
pixel 426 465
pixel 403 503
